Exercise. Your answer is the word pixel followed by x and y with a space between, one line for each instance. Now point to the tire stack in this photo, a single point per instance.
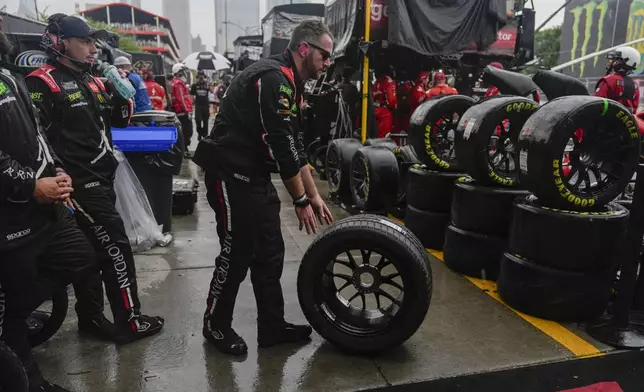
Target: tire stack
pixel 406 159
pixel 374 177
pixel 561 262
pixel 339 154
pixel 430 185
pixel 481 210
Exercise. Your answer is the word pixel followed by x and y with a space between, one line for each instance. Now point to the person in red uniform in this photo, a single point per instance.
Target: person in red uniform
pixel 418 94
pixel 155 91
pixel 385 101
pixel 440 86
pixel 403 94
pixel 617 85
pixel 182 102
pixel 492 90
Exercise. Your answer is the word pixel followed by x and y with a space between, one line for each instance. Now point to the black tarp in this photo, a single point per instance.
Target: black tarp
pixel 445 26
pixel 278 24
pixel 340 17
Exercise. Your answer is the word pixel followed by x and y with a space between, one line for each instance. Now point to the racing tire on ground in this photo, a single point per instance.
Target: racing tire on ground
pixel 473 254
pixel 554 294
pixel 338 165
pixel 568 240
pixel 598 138
pixel 483 209
pixel 381 142
pixel 42 326
pixel 13 377
pixel 374 178
pixel 406 159
pixel 429 227
pixel 430 190
pixel 486 139
pixel 365 247
pixel 432 131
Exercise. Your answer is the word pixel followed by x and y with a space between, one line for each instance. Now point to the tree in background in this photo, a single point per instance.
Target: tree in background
pixel 126 42
pixel 546 46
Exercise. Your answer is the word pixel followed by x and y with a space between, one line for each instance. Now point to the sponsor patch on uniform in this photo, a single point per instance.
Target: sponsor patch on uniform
pixel 35 96
pixel 286 89
pixel 3 89
pixel 75 96
pixel 92 185
pixel 22 233
pixel 71 85
pixel 93 87
pixel 284 102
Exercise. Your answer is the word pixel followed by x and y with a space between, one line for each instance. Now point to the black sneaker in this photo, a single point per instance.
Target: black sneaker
pixel 288 333
pixel 139 328
pixel 99 327
pixel 226 340
pixel 48 387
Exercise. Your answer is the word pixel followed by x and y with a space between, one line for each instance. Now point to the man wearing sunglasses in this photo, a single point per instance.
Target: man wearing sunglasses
pixel 254 136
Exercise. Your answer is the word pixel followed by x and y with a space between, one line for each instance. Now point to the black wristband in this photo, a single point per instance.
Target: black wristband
pixel 302 201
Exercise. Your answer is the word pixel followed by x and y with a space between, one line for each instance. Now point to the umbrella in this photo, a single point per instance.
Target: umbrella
pixel 206 60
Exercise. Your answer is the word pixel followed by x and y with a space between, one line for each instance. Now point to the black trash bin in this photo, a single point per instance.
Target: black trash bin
pixel 155 169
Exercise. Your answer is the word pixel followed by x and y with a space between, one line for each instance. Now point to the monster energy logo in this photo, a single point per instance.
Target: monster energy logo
pixel 588 11
pixel 636 25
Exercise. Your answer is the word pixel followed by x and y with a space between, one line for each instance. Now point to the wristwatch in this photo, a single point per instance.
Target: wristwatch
pixel 302 201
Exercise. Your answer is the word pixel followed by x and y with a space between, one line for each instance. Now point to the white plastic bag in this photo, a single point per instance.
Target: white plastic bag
pixel 132 204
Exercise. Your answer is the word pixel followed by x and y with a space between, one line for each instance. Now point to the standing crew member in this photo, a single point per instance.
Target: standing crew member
pixel 492 90
pixel 141 98
pixel 155 90
pixel 617 85
pixel 252 137
pixel 200 90
pixel 440 87
pixel 419 93
pixel 182 102
pixel 385 101
pixel 77 111
pixel 40 243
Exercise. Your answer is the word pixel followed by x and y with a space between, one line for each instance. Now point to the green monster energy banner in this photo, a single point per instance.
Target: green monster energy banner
pixel 593 25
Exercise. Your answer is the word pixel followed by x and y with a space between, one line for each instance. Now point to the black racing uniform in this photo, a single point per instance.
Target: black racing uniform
pixel 78 112
pixel 202 106
pixel 40 244
pixel 252 137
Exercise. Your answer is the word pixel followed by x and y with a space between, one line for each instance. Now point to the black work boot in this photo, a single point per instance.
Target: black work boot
pixel 286 333
pixel 99 327
pixel 226 340
pixel 141 327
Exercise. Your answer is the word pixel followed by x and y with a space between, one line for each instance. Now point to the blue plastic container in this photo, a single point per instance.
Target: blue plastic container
pixel 144 139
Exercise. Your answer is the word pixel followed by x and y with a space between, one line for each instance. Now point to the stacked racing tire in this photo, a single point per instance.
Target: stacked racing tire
pixel 481 211
pixel 430 184
pixel 576 155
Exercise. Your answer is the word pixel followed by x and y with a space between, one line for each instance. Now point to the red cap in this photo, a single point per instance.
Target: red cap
pixel 422 75
pixel 496 65
pixel 439 76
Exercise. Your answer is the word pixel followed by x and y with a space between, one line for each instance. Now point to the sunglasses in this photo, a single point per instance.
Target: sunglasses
pixel 325 54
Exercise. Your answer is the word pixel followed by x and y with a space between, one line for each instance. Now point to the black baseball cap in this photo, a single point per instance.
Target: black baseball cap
pixel 73 27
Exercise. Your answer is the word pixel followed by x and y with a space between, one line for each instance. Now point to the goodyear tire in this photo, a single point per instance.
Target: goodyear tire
pixel 430 190
pixel 483 209
pixel 382 142
pixel 374 178
pixel 42 326
pixel 334 293
pixel 13 377
pixel 432 128
pixel 486 139
pixel 406 159
pixel 554 294
pixel 428 226
pixel 338 165
pixel 600 140
pixel 473 254
pixel 568 240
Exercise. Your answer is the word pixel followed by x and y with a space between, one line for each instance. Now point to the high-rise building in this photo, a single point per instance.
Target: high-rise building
pixel 179 14
pixel 26 9
pixel 235 18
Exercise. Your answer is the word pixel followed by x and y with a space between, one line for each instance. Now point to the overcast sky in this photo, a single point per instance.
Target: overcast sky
pixel 203 13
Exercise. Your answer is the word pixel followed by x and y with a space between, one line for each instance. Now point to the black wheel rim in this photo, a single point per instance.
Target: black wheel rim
pixel 360 180
pixel 333 169
pixel 443 135
pixel 594 159
pixel 361 292
pixel 503 150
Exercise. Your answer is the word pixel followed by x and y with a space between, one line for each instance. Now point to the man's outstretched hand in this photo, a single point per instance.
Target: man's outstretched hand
pixel 321 210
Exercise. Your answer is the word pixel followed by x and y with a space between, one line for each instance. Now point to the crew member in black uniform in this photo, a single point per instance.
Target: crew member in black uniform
pixel 77 111
pixel 40 242
pixel 252 137
pixel 200 91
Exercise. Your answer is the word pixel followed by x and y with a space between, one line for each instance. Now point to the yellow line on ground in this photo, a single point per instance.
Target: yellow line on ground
pixel 561 334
